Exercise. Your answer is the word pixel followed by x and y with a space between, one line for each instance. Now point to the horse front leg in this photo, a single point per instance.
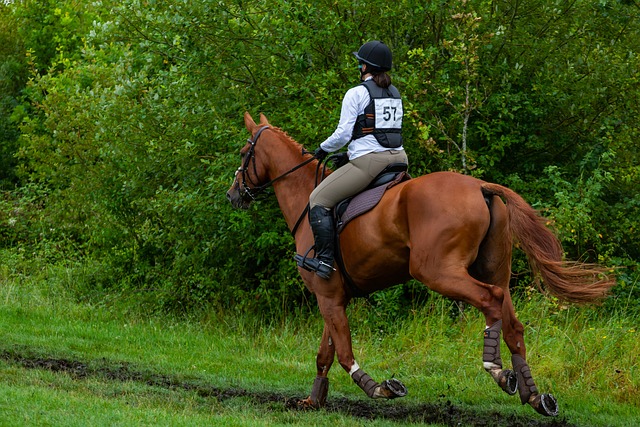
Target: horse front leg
pixel 389 389
pixel 324 360
pixel 336 320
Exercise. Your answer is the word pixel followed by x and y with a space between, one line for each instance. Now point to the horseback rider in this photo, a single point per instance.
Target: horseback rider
pixel 371 122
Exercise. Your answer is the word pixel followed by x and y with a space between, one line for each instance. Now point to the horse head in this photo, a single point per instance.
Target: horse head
pixel 250 177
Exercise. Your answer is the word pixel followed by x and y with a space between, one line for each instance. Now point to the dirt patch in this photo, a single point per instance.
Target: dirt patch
pixel 442 412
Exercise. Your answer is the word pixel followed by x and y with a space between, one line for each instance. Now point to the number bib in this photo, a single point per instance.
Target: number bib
pixel 388 113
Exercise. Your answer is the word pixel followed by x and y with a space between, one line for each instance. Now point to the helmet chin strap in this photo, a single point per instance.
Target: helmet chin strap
pixel 362 72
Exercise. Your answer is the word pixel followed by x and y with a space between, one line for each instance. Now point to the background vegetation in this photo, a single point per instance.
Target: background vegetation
pixel 121 121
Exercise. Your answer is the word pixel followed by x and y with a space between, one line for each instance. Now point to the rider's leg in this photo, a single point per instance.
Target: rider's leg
pixel 345 182
pixel 321 220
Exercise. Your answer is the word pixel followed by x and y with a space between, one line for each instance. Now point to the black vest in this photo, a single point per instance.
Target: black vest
pixel 382 118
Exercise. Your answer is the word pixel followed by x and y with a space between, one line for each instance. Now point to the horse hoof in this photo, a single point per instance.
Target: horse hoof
pixel 302 404
pixel 545 404
pixel 508 381
pixel 393 388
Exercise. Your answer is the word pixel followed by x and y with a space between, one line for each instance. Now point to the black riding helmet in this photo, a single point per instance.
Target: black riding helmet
pixel 376 54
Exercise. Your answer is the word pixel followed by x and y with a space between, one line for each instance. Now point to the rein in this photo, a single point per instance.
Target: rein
pixel 254 192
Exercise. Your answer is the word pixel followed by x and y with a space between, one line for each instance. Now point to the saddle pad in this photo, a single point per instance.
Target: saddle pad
pixel 366 201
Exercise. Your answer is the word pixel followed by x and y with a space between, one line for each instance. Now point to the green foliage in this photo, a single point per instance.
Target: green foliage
pixel 13 74
pixel 52 30
pixel 122 121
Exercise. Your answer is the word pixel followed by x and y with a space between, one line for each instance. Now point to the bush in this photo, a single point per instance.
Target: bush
pixel 131 121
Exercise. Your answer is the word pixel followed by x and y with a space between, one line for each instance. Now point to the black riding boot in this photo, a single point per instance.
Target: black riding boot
pixel 321 221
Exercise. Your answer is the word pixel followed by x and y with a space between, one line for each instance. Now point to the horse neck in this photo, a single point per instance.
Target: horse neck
pixel 293 190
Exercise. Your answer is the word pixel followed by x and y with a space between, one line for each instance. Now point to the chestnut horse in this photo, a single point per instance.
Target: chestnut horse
pixel 452 232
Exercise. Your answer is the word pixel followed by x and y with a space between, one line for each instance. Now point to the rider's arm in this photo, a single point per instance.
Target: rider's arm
pixel 353 104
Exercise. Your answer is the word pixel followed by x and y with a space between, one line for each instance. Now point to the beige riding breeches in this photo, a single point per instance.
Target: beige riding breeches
pixel 353 177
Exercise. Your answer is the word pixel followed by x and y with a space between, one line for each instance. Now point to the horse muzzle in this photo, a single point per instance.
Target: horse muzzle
pixel 237 198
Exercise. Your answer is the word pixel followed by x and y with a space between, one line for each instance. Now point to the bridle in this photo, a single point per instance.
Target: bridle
pixel 250 158
pixel 256 190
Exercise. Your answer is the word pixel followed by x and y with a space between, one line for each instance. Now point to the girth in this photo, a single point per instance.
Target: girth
pixel 355 206
pixel 352 207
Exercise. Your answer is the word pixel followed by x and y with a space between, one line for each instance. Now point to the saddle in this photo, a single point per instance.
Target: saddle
pixel 359 204
pixel 352 207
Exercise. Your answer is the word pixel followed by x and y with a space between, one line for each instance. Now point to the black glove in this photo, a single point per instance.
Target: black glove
pixel 320 154
pixel 339 159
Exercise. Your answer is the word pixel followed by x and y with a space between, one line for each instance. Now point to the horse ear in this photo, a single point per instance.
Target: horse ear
pixel 249 122
pixel 263 120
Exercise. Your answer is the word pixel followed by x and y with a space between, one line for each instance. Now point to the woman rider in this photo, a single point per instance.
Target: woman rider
pixel 370 121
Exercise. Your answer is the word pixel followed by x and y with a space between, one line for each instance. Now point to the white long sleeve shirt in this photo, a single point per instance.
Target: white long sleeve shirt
pixel 353 104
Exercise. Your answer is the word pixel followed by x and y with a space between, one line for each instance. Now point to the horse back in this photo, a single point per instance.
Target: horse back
pixel 441 216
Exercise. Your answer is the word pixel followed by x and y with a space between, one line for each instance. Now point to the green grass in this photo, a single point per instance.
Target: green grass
pixel 234 370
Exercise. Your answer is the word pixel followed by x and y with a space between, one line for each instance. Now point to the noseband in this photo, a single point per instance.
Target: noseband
pixel 253 192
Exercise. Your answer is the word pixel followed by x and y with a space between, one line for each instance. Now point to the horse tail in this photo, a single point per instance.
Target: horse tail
pixel 569 281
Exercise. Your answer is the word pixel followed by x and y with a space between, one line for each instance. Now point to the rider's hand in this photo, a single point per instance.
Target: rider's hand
pixel 320 154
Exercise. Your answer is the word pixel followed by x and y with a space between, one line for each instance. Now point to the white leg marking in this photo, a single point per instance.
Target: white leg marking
pixel 354 368
pixel 490 366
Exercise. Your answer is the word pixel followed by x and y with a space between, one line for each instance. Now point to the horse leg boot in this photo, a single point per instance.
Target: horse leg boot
pixel 492 362
pixel 389 389
pixel 324 360
pixel 319 392
pixel 545 404
pixel 321 220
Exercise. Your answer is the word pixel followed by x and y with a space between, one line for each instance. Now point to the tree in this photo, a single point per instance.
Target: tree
pixel 133 120
pixel 13 76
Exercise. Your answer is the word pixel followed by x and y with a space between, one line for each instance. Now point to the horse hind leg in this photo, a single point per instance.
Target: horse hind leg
pixel 493 265
pixel 492 363
pixel 488 299
pixel 519 379
pixel 474 286
pixel 545 404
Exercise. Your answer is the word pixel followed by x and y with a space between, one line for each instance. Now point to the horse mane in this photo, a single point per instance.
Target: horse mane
pixel 289 139
pixel 285 135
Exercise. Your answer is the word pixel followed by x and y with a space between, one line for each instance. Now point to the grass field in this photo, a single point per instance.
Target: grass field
pixel 64 363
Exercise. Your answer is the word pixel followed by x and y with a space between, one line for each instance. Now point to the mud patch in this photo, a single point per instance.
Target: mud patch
pixel 443 412
pixel 124 371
